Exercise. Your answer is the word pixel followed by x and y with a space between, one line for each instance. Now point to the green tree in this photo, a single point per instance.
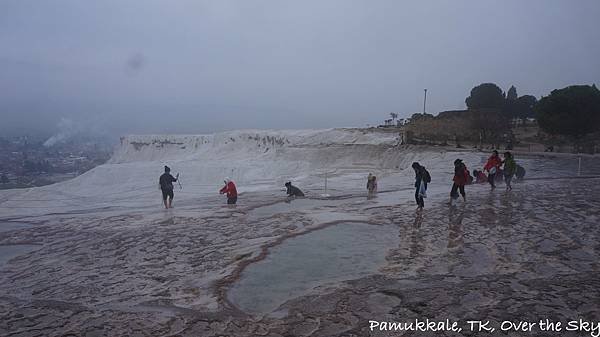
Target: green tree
pixel 491 124
pixel 521 108
pixel 511 95
pixel 419 116
pixel 486 96
pixel 571 111
pixel 525 107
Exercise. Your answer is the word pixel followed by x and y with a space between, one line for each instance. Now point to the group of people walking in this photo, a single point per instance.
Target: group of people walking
pixel 497 169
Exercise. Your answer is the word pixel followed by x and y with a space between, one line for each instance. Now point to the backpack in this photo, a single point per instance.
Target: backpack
pixel 469 178
pixel 426 176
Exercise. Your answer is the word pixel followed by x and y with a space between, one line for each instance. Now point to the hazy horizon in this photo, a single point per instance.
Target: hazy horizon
pixel 198 66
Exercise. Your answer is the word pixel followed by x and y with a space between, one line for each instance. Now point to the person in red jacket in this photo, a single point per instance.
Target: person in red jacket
pixel 461 177
pixel 231 191
pixel 492 166
pixel 480 177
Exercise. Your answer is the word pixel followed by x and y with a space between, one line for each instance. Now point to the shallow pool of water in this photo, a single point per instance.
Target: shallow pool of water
pixel 9 226
pixel 11 251
pixel 567 166
pixel 340 252
pixel 293 205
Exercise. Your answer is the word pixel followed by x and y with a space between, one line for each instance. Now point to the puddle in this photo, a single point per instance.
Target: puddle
pixel 340 252
pixel 9 226
pixel 10 251
pixel 293 205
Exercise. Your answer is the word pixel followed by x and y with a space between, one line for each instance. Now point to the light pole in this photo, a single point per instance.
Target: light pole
pixel 424 100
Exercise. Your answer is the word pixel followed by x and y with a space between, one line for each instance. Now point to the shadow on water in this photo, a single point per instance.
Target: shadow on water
pixel 340 252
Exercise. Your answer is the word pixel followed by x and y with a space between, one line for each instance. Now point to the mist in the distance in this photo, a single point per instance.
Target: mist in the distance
pixel 202 66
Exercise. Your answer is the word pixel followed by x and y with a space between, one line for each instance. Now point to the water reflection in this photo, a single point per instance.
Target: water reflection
pixel 456 215
pixel 339 252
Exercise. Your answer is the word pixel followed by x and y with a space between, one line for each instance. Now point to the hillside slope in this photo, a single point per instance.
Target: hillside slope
pixel 257 160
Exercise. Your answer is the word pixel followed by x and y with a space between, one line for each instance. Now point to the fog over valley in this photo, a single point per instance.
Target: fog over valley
pixel 205 66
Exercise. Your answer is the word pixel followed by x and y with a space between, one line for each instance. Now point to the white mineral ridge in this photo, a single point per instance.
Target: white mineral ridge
pixel 257 160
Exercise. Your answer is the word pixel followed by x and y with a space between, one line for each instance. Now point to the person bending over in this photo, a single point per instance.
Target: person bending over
pixel 230 190
pixel 293 191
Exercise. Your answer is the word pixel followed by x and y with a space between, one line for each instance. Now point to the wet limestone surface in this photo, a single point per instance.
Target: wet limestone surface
pixel 6 226
pixel 339 252
pixel 528 254
pixel 8 252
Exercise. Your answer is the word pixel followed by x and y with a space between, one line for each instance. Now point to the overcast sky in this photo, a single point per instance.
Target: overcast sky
pixel 199 66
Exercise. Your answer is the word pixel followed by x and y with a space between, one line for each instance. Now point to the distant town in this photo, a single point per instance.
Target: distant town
pixel 27 161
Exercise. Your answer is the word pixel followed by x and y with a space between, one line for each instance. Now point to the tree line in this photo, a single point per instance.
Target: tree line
pixel 573 111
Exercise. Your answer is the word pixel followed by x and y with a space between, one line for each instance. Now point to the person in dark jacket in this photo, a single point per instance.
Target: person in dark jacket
pixel 371 185
pixel 422 178
pixel 461 177
pixel 293 191
pixel 165 182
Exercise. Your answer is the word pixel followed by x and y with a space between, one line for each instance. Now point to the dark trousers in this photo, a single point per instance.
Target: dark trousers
pixel 508 179
pixel 419 199
pixel 167 194
pixel 231 201
pixel 491 179
pixel 455 189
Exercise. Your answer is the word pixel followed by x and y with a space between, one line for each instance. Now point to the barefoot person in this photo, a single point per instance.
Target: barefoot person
pixel 165 182
pixel 293 191
pixel 422 178
pixel 480 177
pixel 461 176
pixel 510 167
pixel 371 185
pixel 230 190
pixel 492 166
